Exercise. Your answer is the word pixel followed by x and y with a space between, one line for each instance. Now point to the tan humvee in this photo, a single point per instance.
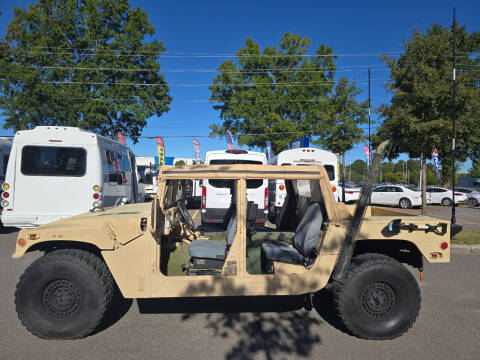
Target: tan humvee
pixel 65 293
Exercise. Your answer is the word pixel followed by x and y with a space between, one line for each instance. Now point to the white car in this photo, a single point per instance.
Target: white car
pixel 396 195
pixel 352 194
pixel 472 195
pixel 439 195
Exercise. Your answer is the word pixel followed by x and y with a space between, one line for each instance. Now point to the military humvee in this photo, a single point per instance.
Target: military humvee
pixel 156 251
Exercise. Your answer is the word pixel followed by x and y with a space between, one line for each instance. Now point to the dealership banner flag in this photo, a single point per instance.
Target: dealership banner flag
pixel 269 150
pixel 229 138
pixel 435 162
pixel 121 139
pixel 161 151
pixel 196 148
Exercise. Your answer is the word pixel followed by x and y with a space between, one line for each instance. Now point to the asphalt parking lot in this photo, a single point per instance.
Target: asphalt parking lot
pixel 466 216
pixel 257 328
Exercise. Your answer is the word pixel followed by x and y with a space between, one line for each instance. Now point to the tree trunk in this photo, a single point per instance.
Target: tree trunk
pixel 344 169
pixel 424 184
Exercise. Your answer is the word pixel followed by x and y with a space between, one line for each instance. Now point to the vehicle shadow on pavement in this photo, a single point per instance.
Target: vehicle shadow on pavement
pixel 274 326
pixel 7 230
pixel 120 306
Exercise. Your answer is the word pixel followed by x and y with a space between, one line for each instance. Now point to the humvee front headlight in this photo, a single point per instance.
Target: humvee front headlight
pixel 4 203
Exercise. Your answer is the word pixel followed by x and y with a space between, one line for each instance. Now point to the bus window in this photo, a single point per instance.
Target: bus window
pixel 53 161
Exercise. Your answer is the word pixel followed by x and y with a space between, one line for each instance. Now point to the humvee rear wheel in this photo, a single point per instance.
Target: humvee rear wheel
pixel 64 294
pixel 379 298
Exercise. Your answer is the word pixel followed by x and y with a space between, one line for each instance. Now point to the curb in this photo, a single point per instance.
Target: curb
pixel 474 248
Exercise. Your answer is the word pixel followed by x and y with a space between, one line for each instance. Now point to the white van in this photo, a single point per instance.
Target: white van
pixel 216 196
pixel 300 157
pixel 55 172
pixel 5 149
pixel 147 172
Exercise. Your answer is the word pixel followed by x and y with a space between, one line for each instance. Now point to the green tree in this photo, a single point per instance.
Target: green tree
pixel 340 129
pixel 358 168
pixel 179 163
pixel 82 63
pixel 475 169
pixel 420 114
pixel 278 92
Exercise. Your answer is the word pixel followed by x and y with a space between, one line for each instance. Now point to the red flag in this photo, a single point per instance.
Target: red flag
pixel 121 139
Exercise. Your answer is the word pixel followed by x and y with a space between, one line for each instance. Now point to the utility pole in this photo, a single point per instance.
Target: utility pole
pixel 369 111
pixel 454 90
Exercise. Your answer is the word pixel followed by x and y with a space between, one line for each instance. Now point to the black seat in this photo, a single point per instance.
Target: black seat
pixel 305 241
pixel 211 249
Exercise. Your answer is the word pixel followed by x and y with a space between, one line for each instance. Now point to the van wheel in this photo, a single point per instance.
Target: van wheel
pixel 379 298
pixel 447 202
pixel 405 203
pixel 64 294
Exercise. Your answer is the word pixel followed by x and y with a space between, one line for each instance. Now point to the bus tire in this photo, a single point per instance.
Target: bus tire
pixel 64 294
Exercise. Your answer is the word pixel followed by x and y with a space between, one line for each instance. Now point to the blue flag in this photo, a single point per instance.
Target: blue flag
pixel 269 150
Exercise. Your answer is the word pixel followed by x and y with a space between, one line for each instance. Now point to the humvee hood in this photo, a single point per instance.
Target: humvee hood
pixel 106 229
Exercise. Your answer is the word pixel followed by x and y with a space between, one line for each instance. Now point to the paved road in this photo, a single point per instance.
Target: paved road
pixel 258 328
pixel 468 217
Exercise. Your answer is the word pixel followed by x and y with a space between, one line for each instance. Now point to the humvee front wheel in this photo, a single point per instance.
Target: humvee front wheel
pixel 64 294
pixel 379 298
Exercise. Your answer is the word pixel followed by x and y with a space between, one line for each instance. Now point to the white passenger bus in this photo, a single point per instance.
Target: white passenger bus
pixel 300 157
pixel 216 195
pixel 5 148
pixel 55 172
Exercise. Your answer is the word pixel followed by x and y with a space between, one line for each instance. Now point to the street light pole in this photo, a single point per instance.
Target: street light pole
pixel 369 111
pixel 454 90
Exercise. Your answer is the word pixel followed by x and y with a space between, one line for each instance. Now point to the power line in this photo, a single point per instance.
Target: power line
pixel 240 71
pixel 289 84
pixel 166 54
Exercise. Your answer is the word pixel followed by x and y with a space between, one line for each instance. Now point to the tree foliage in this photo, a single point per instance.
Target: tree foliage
pixel 73 63
pixel 280 92
pixel 475 169
pixel 340 130
pixel 420 114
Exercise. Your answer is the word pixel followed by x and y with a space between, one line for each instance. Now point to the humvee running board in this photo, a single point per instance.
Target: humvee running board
pixel 356 223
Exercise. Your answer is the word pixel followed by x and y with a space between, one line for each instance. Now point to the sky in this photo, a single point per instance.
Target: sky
pixel 351 28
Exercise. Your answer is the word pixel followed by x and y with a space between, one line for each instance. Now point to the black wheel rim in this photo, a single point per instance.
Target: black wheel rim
pixel 378 300
pixel 61 298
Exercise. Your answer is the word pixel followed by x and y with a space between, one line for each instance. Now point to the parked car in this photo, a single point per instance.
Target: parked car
pixel 443 196
pixel 396 195
pixel 473 196
pixel 351 193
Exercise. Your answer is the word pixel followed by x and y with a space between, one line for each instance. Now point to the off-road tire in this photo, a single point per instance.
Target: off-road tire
pixel 378 299
pixel 472 202
pixel 447 202
pixel 405 203
pixel 64 294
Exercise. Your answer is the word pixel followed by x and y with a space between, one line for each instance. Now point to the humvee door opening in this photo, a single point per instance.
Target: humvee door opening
pixel 289 244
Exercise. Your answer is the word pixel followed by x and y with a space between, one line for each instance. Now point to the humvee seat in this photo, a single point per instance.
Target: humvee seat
pixel 305 241
pixel 211 249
